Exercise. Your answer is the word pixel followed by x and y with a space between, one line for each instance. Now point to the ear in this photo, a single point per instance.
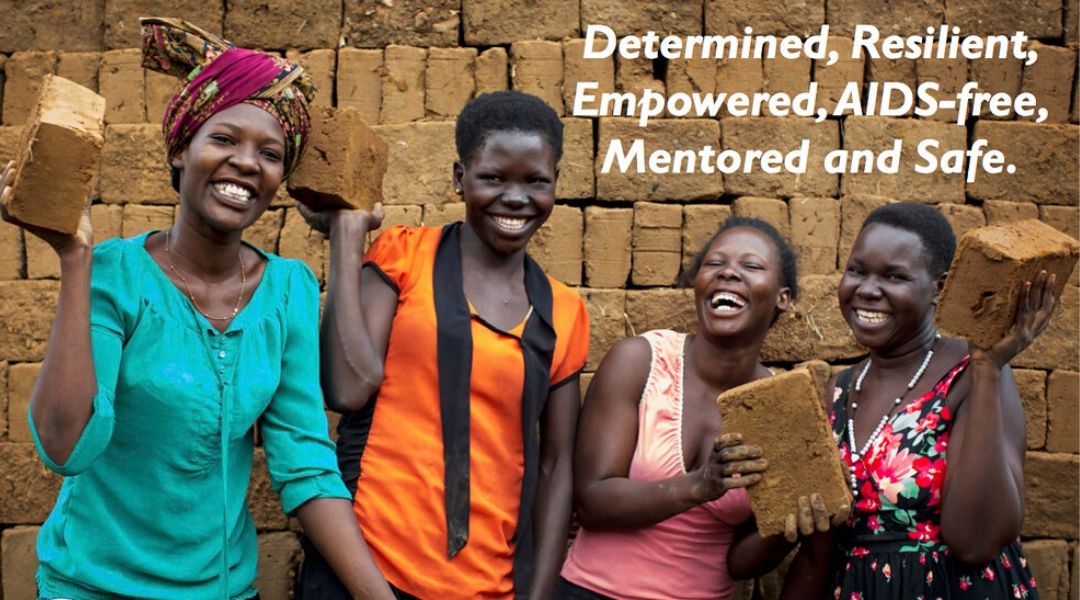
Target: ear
pixel 783 299
pixel 556 173
pixel 459 174
pixel 939 285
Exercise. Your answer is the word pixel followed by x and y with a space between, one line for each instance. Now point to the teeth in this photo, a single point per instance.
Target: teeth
pixel 233 191
pixel 733 302
pixel 872 316
pixel 511 223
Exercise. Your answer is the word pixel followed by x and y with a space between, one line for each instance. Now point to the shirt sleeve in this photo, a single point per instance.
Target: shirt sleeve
pixel 299 453
pixel 108 305
pixel 391 255
pixel 577 348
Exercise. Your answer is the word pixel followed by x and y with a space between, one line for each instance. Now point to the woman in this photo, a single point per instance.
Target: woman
pixel 658 493
pixel 929 427
pixel 456 360
pixel 167 347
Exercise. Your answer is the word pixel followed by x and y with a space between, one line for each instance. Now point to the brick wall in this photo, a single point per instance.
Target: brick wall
pixel 409 66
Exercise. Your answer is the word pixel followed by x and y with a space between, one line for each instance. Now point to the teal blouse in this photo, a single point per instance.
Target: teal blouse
pixel 153 503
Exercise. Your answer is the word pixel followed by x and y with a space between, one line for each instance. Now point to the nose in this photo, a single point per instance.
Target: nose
pixel 515 196
pixel 244 158
pixel 728 272
pixel 868 288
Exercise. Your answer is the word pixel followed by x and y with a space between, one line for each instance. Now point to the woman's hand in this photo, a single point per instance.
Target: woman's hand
pixel 811 516
pixel 344 220
pixel 731 465
pixel 62 243
pixel 1032 316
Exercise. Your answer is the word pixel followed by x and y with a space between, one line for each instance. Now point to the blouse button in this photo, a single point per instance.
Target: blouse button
pixel 221 354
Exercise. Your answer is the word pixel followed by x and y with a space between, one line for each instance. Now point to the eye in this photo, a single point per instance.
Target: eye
pixel 221 138
pixel 489 177
pixel 539 181
pixel 753 266
pixel 273 155
pixel 853 270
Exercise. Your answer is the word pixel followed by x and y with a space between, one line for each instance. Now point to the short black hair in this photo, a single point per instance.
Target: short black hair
pixel 925 221
pixel 789 263
pixel 506 111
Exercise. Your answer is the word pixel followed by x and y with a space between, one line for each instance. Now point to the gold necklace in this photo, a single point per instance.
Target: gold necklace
pixel 243 283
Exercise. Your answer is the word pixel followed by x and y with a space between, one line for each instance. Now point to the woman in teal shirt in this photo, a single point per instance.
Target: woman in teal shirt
pixel 168 347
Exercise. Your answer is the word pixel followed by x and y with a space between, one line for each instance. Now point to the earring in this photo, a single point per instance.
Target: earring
pixel 457 191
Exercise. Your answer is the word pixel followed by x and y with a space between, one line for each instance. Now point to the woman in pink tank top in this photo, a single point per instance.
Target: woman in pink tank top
pixel 659 495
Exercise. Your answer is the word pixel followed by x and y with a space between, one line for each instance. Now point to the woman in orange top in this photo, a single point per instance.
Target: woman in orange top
pixel 456 360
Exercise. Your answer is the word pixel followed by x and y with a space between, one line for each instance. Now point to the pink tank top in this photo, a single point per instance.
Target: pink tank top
pixel 682 557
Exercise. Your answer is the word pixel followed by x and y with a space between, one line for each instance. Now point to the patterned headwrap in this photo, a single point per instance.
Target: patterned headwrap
pixel 219 75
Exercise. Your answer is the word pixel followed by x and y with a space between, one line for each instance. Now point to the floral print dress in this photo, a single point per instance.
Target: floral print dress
pixel 894 548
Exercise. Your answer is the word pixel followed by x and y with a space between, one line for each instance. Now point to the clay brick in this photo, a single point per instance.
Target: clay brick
pixel 1062 218
pixel 996 75
pixel 121 82
pixel 80 67
pixel 657 243
pixel 403 84
pixel 784 134
pixel 30 488
pixel 21 378
pixel 492 71
pixel 783 414
pixel 410 215
pixel 1072 34
pixel 877 134
pixel 1050 498
pixel 991 264
pixel 950 75
pixel 853 211
pixel 122 18
pixel 106 220
pixel 26 313
pixel 682 17
pixel 11 251
pixel 537 69
pixel 576 167
pixel 450 79
pixel 138 218
pixel 739 75
pixel 688 76
pixel 1075 587
pixel 815 228
pixel 1063 415
pixel 359 82
pixel 557 244
pixel 583 384
pixel 962 217
pixel 1050 79
pixel 9 142
pixel 344 164
pixel 635 76
pixel 767 17
pixel 59 156
pixel 437 215
pixel 901 17
pixel 901 70
pixel 320 65
pixel 376 23
pixel 661 134
pixel 283 23
pixel 1049 562
pixel 23 74
pixel 133 167
pixel 159 89
pixel 700 222
pixel 41 260
pixel 1032 387
pixel 264 232
pixel 491 22
pixel 770 210
pixel 1057 345
pixel 279 558
pixel 833 79
pixel 419 166
pixel 1039 19
pixel 786 75
pixel 263 503
pixel 1001 211
pixel 3 59
pixel 298 240
pixel 576 68
pixel 813 327
pixel 660 308
pixel 607 322
pixel 607 245
pixel 18 549
pixel 37 24
pixel 1041 153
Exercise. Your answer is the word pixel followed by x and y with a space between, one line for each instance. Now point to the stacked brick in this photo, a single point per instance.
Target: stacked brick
pixel 408 67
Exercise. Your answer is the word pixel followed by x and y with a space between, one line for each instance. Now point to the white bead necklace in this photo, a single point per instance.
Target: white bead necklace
pixel 857 454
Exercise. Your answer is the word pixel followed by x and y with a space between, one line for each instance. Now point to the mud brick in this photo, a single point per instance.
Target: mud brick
pixel 813 327
pixel 1049 562
pixel 996 75
pixel 1063 400
pixel 557 244
pixel 41 260
pixel 783 414
pixel 784 134
pixel 122 17
pixel 419 169
pixel 962 217
pixel 1039 19
pixel 576 167
pixel 785 75
pixel 739 75
pixel 635 76
pixel 877 135
pixel 11 251
pixel 9 142
pixel 815 229
pixel 577 68
pixel 1002 211
pixel 138 218
pixel 690 76
pixel 1041 153
pixel 492 22
pixel 657 243
pixel 106 219
pixel 159 89
pixel 767 17
pixel 36 24
pixel 682 17
pixel 359 82
pixel 18 549
pixel 1075 586
pixel 832 79
pixel 30 488
pixel 26 313
pixel 23 74
pixel 264 232
pixel 538 70
pixel 607 322
pixel 901 70
pixel 1072 35
pixel 376 23
pixel 451 80
pixel 661 134
pixel 80 67
pixel 410 215
pixel 1063 218
pixel 772 211
pixel 660 308
pixel 492 71
pixel 60 151
pixel 583 384
pixel 1057 345
pixel 279 558
pixel 344 164
pixel 700 222
pixel 320 66
pixel 437 215
pixel 403 84
pixel 608 246
pixel 133 167
pixel 853 211
pixel 1031 384
pixel 902 17
pixel 950 74
pixel 263 503
pixel 991 265
pixel 1050 498
pixel 298 240
pixel 121 82
pixel 283 23
pixel 3 60
pixel 3 402
pixel 21 378
pixel 1050 79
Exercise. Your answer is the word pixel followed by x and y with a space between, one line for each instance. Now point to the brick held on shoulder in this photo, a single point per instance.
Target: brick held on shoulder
pixel 344 164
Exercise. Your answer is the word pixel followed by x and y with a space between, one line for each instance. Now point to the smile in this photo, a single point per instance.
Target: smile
pixel 726 302
pixel 511 223
pixel 872 317
pixel 231 191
